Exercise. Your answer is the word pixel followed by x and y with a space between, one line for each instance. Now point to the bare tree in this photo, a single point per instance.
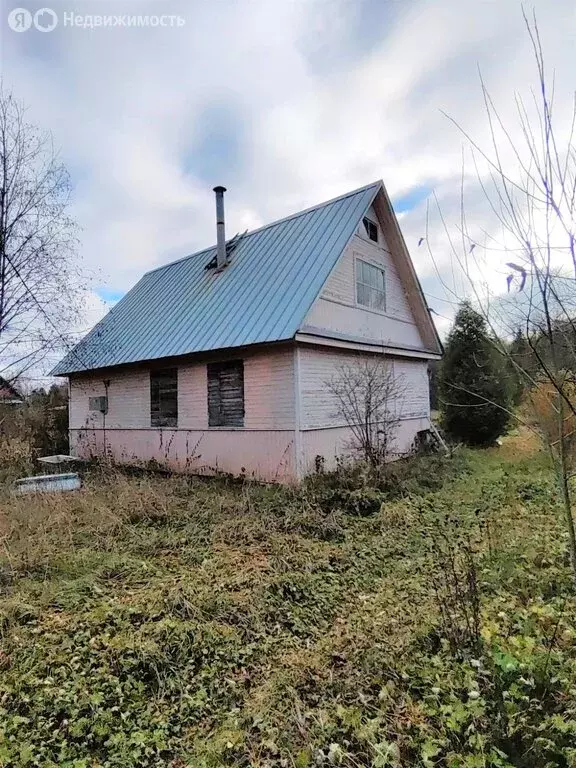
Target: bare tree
pixel 528 179
pixel 39 285
pixel 368 397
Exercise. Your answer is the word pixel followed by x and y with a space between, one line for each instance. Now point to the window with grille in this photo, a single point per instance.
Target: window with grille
pixel 226 394
pixel 371 229
pixel 370 286
pixel 164 398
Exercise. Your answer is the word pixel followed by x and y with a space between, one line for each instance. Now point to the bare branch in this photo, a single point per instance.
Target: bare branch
pixel 40 286
pixel 368 397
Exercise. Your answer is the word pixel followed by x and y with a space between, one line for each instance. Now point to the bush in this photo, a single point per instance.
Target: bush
pixel 357 488
pixel 544 401
pixel 16 458
pixel 42 421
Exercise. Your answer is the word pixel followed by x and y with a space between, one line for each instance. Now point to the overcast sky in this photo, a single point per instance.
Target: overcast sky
pixel 285 102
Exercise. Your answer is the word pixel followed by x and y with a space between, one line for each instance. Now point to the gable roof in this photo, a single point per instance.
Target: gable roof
pixel 263 295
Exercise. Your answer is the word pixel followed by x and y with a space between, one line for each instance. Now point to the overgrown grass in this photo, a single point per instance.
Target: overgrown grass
pixel 152 621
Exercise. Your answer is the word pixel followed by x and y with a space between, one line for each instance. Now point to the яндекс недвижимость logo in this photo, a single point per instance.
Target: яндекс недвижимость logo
pixel 21 20
pixel 46 19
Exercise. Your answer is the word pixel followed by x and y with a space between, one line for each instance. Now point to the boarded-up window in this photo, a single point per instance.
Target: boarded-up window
pixel 164 398
pixel 226 394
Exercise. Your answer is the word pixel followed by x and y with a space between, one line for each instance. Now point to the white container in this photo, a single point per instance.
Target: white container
pixel 69 481
pixel 58 458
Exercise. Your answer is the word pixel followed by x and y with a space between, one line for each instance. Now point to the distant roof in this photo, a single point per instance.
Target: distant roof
pixel 274 275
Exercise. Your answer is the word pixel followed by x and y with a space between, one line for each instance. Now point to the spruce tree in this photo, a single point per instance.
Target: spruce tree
pixel 473 386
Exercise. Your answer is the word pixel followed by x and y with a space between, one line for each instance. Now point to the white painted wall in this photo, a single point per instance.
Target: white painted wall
pixel 319 365
pixel 336 309
pixel 413 378
pixel 324 431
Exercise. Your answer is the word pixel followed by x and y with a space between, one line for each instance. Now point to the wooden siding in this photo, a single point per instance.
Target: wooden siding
pixel 336 309
pixel 405 269
pixel 268 389
pixel 413 375
pixel 270 441
pixel 320 423
pixel 319 365
pixel 264 446
pixel 128 400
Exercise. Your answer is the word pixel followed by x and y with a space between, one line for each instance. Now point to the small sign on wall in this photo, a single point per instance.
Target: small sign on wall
pixel 99 404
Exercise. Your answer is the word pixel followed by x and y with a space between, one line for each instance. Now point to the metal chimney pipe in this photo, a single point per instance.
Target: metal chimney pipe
pixel 221 259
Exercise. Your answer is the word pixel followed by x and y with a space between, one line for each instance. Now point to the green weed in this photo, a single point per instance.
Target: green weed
pixel 159 621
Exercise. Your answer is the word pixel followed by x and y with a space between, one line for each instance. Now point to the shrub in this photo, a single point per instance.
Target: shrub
pixel 16 458
pixel 42 421
pixel 544 400
pixel 359 489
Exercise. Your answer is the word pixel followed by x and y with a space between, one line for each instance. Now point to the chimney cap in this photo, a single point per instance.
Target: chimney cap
pixel 219 188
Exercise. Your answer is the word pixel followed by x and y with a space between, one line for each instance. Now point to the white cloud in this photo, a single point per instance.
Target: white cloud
pixel 125 105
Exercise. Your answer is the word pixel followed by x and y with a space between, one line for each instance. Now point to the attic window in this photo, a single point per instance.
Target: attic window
pixel 226 394
pixel 371 229
pixel 164 398
pixel 370 286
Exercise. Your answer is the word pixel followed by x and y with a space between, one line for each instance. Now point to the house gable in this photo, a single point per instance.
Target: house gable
pixel 404 322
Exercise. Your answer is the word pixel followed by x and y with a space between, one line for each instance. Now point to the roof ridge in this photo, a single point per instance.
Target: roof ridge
pixel 271 224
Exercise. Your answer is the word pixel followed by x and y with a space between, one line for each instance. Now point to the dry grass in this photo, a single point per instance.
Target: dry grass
pixel 522 443
pixel 239 625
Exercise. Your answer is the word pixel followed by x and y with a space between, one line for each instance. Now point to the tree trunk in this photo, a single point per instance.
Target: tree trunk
pixel 562 471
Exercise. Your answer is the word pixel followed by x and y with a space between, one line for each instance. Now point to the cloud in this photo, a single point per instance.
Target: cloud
pixel 286 103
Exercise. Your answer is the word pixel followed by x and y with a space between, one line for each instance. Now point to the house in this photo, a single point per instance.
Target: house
pixel 219 361
pixel 9 395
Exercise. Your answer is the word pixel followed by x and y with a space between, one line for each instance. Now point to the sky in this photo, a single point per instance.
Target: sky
pixel 285 102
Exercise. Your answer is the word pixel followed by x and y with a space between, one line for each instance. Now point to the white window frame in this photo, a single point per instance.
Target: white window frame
pixel 359 258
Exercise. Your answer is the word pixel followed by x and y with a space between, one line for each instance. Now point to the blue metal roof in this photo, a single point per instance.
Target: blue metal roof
pixel 274 275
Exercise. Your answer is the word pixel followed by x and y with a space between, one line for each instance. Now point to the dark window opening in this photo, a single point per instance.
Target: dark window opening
pixel 164 398
pixel 371 229
pixel 226 394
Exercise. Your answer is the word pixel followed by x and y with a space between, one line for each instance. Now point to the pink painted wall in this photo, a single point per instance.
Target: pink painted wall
pixel 334 443
pixel 260 454
pixel 264 448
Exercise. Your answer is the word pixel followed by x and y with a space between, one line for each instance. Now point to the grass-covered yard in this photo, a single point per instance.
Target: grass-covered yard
pixel 151 621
